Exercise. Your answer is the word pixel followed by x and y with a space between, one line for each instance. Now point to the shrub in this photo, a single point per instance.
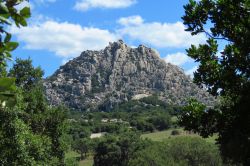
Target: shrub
pixel 175 132
pixel 180 151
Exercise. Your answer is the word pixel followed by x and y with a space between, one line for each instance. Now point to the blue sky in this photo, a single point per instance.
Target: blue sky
pixel 60 30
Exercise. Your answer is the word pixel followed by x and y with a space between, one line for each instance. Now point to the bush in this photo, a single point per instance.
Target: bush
pixel 71 162
pixel 117 150
pixel 175 132
pixel 180 151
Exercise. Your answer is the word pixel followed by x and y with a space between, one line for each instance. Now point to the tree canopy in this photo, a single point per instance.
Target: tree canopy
pixel 9 14
pixel 225 74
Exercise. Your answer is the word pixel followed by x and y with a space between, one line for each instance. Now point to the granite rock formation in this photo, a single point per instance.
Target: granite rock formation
pixel 118 73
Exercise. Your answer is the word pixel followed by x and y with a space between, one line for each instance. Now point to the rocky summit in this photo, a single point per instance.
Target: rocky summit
pixel 118 73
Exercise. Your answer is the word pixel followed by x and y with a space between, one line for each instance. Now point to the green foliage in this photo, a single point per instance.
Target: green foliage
pixel 78 130
pixel 175 132
pixel 117 150
pixel 56 128
pixel 82 146
pixel 227 76
pixel 9 13
pixel 31 132
pixel 195 117
pixel 7 91
pixel 19 146
pixel 177 152
pixel 26 75
pixel 144 115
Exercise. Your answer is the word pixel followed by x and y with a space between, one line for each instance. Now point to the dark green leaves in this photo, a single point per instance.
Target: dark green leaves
pixel 7 38
pixel 10 46
pixel 8 15
pixel 7 91
pixel 7 83
pixel 225 74
pixel 25 12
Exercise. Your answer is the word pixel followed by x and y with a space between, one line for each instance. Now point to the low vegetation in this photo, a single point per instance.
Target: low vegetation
pixel 142 132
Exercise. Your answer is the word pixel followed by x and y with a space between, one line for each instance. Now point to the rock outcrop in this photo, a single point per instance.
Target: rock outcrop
pixel 118 73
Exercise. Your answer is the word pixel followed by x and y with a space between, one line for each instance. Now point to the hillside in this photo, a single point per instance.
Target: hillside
pixel 118 73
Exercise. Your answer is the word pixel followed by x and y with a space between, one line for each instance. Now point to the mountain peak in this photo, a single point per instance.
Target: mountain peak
pixel 118 73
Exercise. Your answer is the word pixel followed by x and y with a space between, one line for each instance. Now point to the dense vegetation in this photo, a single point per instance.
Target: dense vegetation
pixel 177 152
pixel 31 132
pixel 226 74
pixel 34 133
pixel 122 143
pixel 144 115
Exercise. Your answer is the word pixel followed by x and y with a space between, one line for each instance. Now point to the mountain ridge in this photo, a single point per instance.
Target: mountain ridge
pixel 105 78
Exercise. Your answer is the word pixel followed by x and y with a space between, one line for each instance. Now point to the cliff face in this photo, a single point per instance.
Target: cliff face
pixel 116 74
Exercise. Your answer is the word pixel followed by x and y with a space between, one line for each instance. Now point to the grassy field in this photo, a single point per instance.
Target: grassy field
pixel 161 135
pixel 71 154
pixel 155 136
pixel 86 162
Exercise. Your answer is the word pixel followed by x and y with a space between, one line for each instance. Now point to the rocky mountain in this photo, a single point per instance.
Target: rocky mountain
pixel 118 73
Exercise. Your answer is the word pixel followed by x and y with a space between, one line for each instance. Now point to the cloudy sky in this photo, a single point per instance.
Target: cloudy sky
pixel 60 30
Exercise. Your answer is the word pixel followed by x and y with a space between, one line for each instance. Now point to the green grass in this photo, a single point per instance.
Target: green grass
pixel 86 162
pixel 157 136
pixel 212 139
pixel 162 135
pixel 174 119
pixel 71 154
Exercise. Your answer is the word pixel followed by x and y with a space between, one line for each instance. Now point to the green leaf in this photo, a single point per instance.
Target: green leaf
pixel 10 46
pixel 7 38
pixel 7 15
pixel 23 22
pixel 25 12
pixel 9 99
pixel 5 20
pixel 7 55
pixel 7 84
pixel 3 9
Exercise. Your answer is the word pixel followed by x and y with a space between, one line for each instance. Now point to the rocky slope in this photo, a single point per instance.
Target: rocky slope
pixel 101 79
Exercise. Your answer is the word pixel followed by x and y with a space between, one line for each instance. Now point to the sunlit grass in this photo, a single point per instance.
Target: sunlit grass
pixel 162 135
pixel 86 162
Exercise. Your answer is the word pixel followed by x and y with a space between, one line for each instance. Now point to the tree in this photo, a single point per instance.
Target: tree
pixel 118 150
pixel 31 132
pixel 18 145
pixel 107 153
pixel 226 76
pixel 82 146
pixel 55 128
pixel 180 151
pixel 26 75
pixel 9 14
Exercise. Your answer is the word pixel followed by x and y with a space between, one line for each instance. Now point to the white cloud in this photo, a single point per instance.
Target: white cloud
pixel 45 1
pixel 84 5
pixel 24 4
pixel 178 58
pixel 132 20
pixel 159 34
pixel 191 71
pixel 64 39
